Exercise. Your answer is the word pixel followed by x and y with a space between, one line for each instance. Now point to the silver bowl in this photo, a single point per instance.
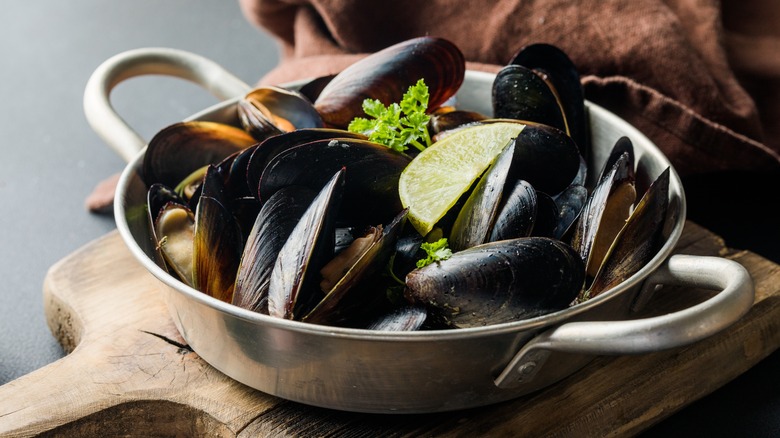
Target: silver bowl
pixel 373 371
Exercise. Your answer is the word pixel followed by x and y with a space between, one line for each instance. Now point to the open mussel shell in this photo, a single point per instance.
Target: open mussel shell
pixel 499 282
pixel 271 110
pixel 622 146
pixel 275 145
pixel 371 187
pixel 218 242
pixel 520 93
pixel 604 214
pixel 180 149
pixel 273 225
pixel 351 298
pixel 639 240
pixel 387 74
pixel 473 224
pixel 562 75
pixel 501 207
pixel 293 288
pixel 174 230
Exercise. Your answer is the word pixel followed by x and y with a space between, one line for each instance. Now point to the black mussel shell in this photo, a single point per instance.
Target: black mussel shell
pixel 517 214
pixel 293 288
pixel 351 295
pixel 273 146
pixel 442 121
pixel 235 173
pixel 561 73
pixel 570 203
pixel 622 146
pixel 344 236
pixel 313 88
pixel 371 187
pixel 178 150
pixel 475 220
pixel 218 241
pixel 520 93
pixel 546 215
pixel 639 241
pixel 545 157
pixel 273 225
pixel 387 74
pixel 271 110
pixel 158 196
pixel 604 214
pixel 407 252
pixel 499 282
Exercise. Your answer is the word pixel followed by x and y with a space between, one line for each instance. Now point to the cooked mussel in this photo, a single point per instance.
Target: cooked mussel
pixel 217 243
pixel 273 146
pixel 348 295
pixel 520 93
pixel 174 231
pixel 371 184
pixel 387 74
pixel 605 213
pixel 270 110
pixel 475 221
pixel 292 290
pixel 180 149
pixel 499 282
pixel 273 226
pixel 638 241
pixel 555 67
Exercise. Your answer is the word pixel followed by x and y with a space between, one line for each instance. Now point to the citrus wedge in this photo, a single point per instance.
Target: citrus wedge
pixel 434 181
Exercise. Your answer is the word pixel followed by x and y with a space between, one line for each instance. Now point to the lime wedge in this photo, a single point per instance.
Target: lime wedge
pixel 434 181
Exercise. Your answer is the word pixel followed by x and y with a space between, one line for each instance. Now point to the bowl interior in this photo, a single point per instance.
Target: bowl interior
pixel 605 129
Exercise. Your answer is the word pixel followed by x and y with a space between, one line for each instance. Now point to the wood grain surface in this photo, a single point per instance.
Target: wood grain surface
pixel 130 373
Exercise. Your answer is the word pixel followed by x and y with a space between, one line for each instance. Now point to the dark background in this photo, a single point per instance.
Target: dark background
pixel 51 160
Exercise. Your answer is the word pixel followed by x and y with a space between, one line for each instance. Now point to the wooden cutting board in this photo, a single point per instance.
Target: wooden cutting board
pixel 129 371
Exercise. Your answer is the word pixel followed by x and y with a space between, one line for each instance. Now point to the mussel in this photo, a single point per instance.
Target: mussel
pixel 269 110
pixel 499 281
pixel 388 73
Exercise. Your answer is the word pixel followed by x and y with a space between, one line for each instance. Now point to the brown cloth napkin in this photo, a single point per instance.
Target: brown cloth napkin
pixel 666 66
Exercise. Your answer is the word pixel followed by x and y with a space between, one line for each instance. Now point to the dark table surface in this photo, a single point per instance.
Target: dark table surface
pixel 51 160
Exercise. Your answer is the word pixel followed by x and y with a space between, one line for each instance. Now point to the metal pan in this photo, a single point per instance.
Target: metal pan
pixel 370 371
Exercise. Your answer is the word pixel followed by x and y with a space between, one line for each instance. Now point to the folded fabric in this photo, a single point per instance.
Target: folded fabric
pixel 660 64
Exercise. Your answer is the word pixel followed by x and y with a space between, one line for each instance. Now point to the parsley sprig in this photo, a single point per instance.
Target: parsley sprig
pixel 398 125
pixel 436 251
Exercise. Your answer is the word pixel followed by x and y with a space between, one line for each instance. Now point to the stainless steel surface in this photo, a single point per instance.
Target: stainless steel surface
pixel 349 369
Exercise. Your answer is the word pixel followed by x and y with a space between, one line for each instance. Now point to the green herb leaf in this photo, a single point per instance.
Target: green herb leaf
pixel 437 251
pixel 400 124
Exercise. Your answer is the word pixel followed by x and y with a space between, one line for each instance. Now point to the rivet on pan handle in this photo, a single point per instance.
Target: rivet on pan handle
pixel 647 335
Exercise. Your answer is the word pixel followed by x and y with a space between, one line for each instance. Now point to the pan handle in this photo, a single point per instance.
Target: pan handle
pixel 148 61
pixel 649 334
